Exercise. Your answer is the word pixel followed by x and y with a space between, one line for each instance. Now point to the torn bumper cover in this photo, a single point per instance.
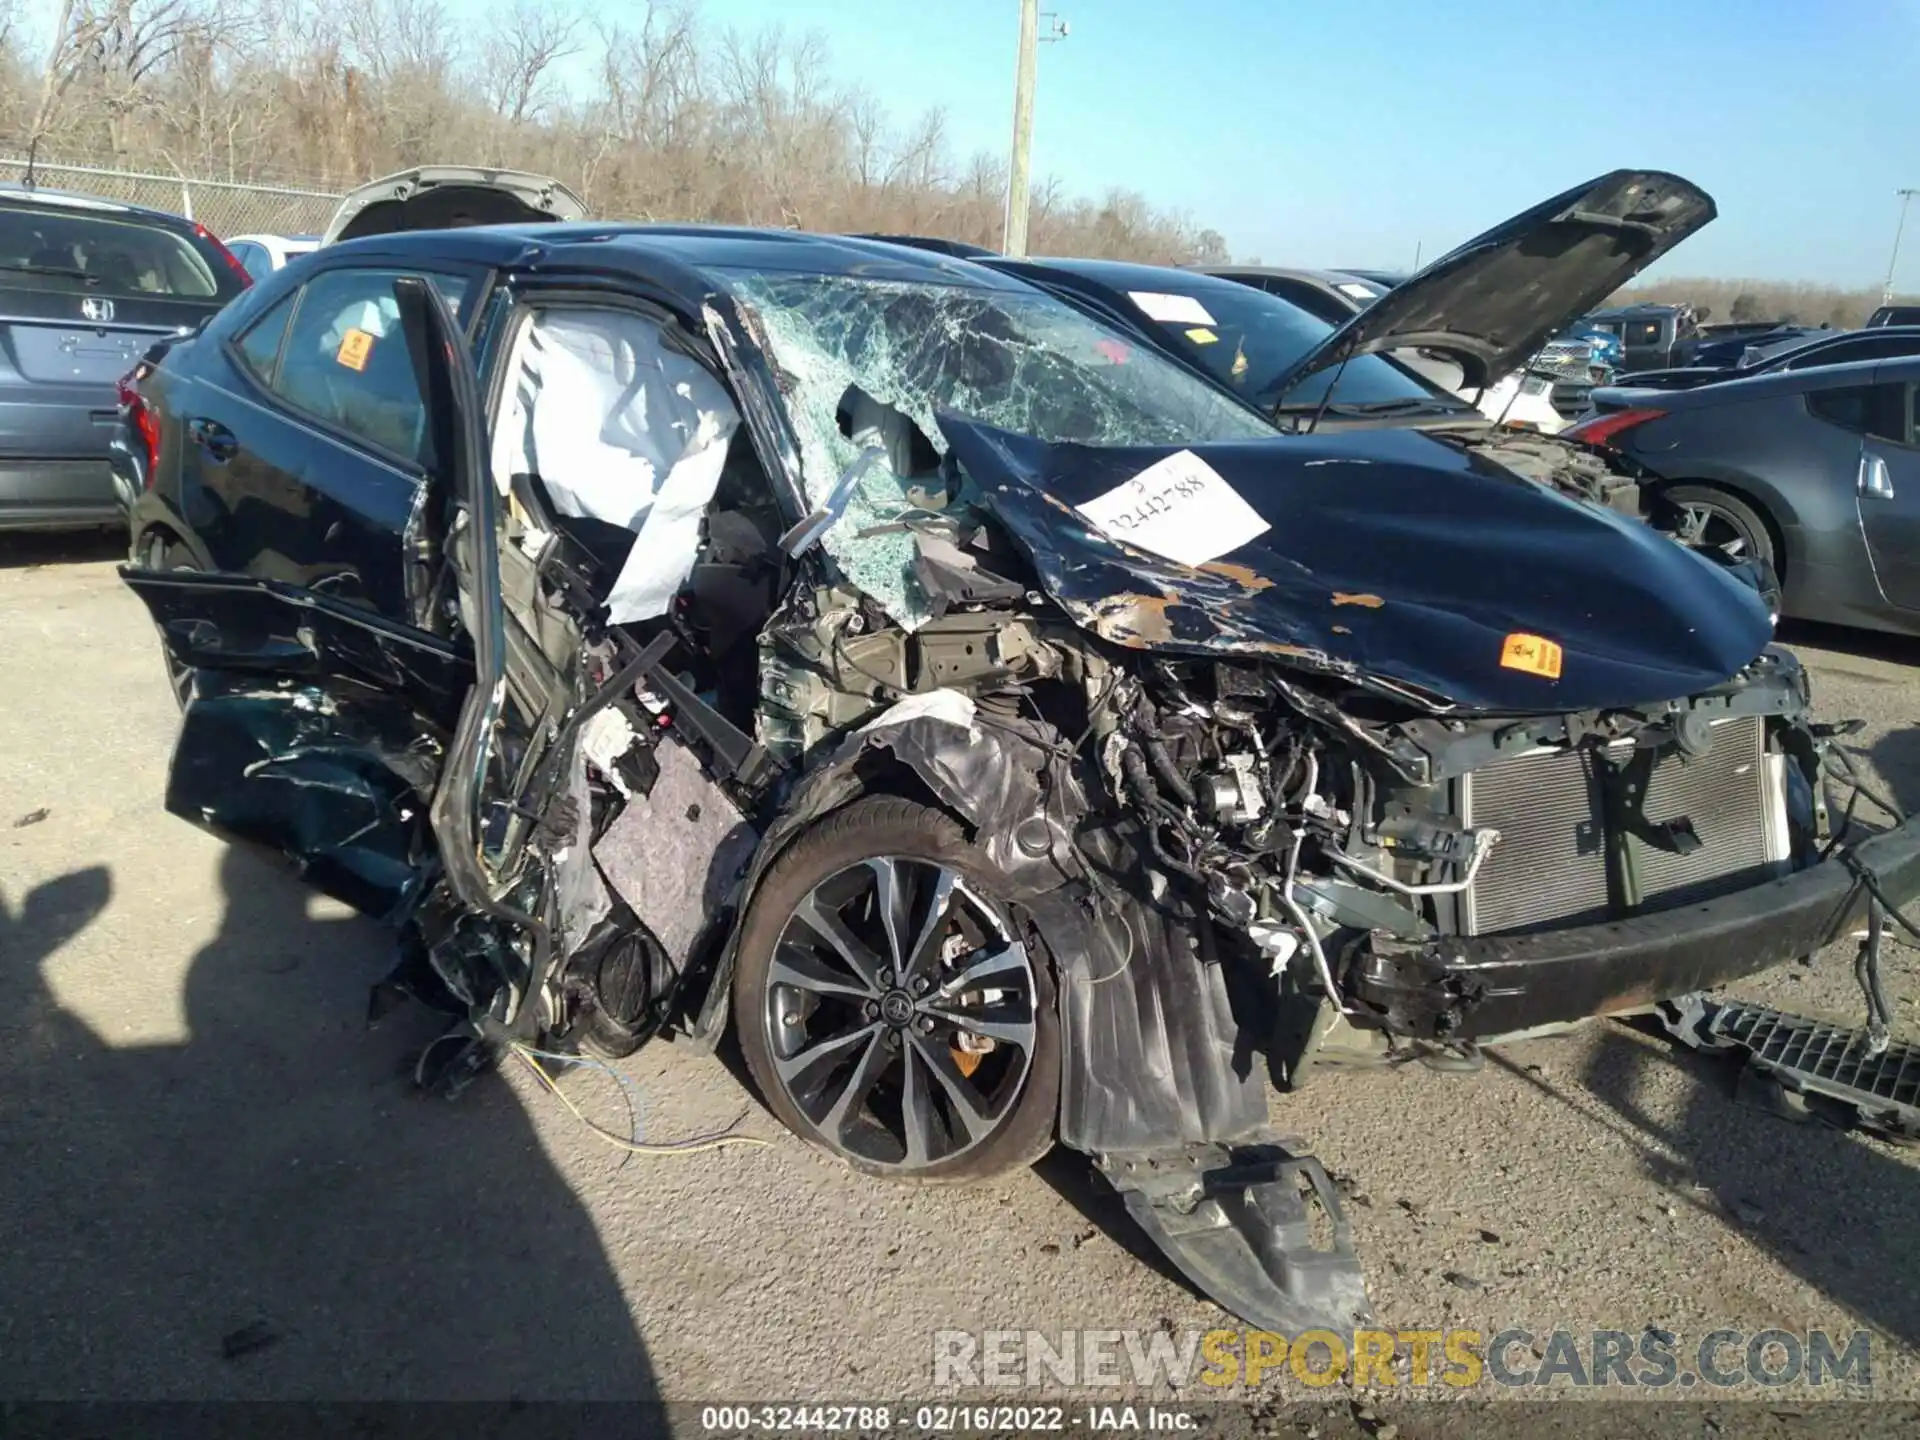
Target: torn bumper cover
pixel 1459 988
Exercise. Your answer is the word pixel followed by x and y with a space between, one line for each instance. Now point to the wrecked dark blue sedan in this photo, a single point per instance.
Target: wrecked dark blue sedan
pixel 1009 733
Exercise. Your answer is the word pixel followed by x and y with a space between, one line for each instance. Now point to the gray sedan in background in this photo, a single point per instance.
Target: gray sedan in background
pixel 1813 470
pixel 86 286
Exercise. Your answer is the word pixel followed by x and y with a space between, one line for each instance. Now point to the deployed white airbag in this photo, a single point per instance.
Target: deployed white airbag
pixel 617 427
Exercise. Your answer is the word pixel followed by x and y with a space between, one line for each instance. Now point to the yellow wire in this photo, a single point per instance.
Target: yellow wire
pixel 683 1147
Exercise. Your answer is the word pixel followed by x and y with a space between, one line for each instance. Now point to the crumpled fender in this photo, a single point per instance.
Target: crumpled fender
pixel 1151 1051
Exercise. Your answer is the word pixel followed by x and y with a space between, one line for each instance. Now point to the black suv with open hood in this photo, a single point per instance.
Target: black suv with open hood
pixel 1011 732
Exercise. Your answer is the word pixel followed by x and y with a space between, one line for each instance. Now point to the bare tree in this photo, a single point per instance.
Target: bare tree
pixel 522 45
pixel 666 119
pixel 71 35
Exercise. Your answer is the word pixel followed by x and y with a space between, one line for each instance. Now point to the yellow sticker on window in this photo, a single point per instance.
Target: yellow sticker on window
pixel 1200 335
pixel 1531 653
pixel 355 346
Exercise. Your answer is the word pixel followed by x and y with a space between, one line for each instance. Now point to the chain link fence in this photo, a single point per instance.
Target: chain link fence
pixel 223 206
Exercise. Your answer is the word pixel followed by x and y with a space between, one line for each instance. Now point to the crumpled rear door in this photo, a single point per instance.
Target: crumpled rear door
pixel 360 748
pixel 311 727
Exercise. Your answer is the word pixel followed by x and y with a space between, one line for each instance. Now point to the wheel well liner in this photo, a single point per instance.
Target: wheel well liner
pixel 1783 558
pixel 1153 1054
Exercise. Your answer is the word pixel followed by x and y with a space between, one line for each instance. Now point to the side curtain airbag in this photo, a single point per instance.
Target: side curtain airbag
pixel 619 428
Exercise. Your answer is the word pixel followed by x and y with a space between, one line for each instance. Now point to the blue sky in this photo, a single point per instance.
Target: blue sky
pixel 1349 133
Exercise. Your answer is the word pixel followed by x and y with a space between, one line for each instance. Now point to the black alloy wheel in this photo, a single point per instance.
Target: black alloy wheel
pixel 888 1008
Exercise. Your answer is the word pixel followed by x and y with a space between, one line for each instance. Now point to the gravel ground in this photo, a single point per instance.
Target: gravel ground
pixel 218 1183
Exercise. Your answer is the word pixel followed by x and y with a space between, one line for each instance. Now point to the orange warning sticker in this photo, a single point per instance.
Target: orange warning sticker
pixel 1531 653
pixel 355 346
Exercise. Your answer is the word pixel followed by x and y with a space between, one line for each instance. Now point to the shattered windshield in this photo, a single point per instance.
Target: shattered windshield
pixel 857 354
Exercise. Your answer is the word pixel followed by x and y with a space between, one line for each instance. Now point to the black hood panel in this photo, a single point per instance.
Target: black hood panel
pixel 1392 557
pixel 1492 303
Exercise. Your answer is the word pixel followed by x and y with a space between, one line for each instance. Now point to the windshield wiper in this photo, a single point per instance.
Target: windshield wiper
pixel 52 270
pixel 1408 405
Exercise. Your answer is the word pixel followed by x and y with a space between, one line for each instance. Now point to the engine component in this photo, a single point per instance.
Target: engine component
pixel 1233 794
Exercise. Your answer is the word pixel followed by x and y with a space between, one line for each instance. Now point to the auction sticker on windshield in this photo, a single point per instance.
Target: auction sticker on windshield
pixel 1180 508
pixel 1170 309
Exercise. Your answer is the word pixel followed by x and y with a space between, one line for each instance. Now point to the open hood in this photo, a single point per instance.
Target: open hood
pixel 1493 302
pixel 439 197
pixel 1389 557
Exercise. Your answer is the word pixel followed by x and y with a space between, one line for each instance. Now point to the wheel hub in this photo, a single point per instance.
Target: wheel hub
pixel 896 1008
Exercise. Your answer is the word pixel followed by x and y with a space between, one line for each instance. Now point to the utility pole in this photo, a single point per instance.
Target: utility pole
pixel 1014 239
pixel 1886 292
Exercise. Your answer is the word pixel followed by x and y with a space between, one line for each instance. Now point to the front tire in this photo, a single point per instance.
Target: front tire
pixel 888 1006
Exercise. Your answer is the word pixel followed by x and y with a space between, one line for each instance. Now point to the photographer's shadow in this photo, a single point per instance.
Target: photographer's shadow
pixel 1838 1211
pixel 271 1209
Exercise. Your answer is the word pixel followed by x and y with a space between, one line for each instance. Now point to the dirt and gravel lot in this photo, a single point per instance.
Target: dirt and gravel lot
pixel 216 1182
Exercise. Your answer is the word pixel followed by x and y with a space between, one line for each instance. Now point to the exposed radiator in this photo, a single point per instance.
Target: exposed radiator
pixel 1550 867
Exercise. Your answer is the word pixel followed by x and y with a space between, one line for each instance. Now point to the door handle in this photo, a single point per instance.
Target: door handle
pixel 1875 480
pixel 214 438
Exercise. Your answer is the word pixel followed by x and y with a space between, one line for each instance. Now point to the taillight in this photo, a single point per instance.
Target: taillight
pixel 141 417
pixel 1602 429
pixel 224 253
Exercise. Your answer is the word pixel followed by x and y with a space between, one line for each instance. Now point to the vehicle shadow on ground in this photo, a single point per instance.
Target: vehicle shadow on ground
pixel 1830 1207
pixel 1067 1172
pixel 22 551
pixel 1868 644
pixel 1896 756
pixel 269 1209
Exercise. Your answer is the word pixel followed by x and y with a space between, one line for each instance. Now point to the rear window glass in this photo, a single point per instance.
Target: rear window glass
pixel 1877 410
pixel 111 255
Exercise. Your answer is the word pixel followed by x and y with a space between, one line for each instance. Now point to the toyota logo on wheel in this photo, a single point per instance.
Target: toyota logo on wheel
pixel 95 309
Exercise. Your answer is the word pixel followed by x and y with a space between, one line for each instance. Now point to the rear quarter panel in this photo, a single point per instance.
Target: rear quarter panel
pixel 1758 440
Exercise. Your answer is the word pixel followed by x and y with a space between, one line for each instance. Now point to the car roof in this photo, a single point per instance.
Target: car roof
pixel 700 252
pixel 1324 278
pixel 1127 274
pixel 965 249
pixel 1816 341
pixel 71 200
pixel 1645 307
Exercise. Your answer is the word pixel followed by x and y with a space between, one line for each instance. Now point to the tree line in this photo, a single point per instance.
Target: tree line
pixel 646 110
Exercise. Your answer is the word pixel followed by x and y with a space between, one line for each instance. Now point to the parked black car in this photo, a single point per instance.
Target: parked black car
pixel 1247 340
pixel 85 286
pixel 1723 345
pixel 1895 315
pixel 1330 294
pixel 1012 732
pixel 1817 348
pixel 1812 470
